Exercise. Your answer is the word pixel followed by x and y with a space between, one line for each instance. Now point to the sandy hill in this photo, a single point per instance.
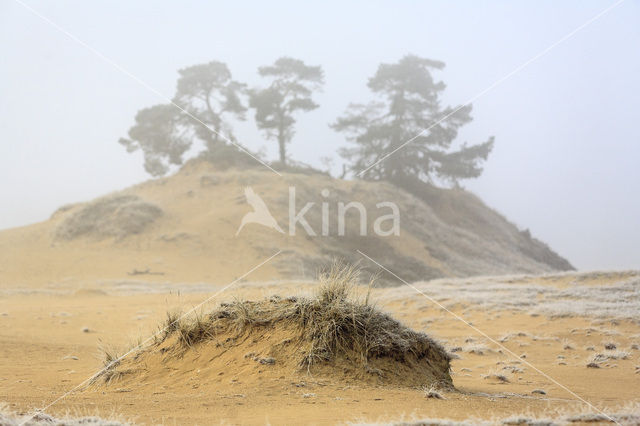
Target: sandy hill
pixel 183 229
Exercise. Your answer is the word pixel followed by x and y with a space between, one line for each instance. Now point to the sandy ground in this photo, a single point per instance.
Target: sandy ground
pixel 50 339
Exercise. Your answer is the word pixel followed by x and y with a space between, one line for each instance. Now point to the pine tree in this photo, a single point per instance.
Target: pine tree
pixel 401 136
pixel 290 90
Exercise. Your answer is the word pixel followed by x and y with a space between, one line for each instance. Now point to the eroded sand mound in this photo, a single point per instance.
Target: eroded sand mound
pixel 333 334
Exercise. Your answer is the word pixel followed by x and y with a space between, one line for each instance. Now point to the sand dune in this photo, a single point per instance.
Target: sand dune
pixel 183 229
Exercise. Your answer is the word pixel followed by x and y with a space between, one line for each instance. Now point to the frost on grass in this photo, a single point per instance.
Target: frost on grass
pixel 497 376
pixel 619 299
pixel 432 392
pixel 335 326
pixel 11 418
pixel 599 359
pixel 476 348
pixel 626 415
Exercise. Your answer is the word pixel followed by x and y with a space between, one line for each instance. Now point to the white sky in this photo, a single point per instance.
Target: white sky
pixel 565 163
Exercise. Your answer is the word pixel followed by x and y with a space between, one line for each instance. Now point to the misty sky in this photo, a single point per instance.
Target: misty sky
pixel 567 127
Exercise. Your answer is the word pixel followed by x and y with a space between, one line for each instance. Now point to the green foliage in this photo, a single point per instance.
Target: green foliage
pixel 156 134
pixel 292 85
pixel 408 109
pixel 208 92
pixel 409 103
pixel 206 95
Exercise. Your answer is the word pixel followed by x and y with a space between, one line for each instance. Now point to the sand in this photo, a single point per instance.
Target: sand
pixel 183 229
pixel 64 295
pixel 49 339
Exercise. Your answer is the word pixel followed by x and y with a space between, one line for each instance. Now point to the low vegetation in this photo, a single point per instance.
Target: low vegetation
pixel 627 415
pixel 618 300
pixel 336 325
pixel 9 417
pixel 115 216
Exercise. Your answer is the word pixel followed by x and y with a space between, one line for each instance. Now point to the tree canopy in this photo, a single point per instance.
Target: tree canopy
pixel 406 132
pixel 208 92
pixel 157 133
pixel 292 85
pixel 206 96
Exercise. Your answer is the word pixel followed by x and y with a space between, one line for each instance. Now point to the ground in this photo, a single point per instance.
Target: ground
pixel 50 340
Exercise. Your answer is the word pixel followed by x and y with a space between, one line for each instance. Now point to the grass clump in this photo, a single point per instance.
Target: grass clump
pixel 337 324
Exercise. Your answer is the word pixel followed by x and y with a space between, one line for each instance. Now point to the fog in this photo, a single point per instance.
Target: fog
pixel 565 161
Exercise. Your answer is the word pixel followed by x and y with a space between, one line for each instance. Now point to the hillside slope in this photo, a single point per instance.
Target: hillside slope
pixel 183 229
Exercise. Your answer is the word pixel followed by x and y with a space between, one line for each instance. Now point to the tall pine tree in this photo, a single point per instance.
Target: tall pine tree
pixel 408 104
pixel 290 90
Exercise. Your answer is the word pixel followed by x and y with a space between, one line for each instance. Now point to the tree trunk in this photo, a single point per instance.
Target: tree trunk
pixel 283 153
pixel 281 139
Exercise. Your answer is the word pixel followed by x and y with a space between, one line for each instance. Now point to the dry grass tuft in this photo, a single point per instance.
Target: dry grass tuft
pixel 432 391
pixel 337 323
pixel 476 348
pixel 494 375
pixel 597 359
